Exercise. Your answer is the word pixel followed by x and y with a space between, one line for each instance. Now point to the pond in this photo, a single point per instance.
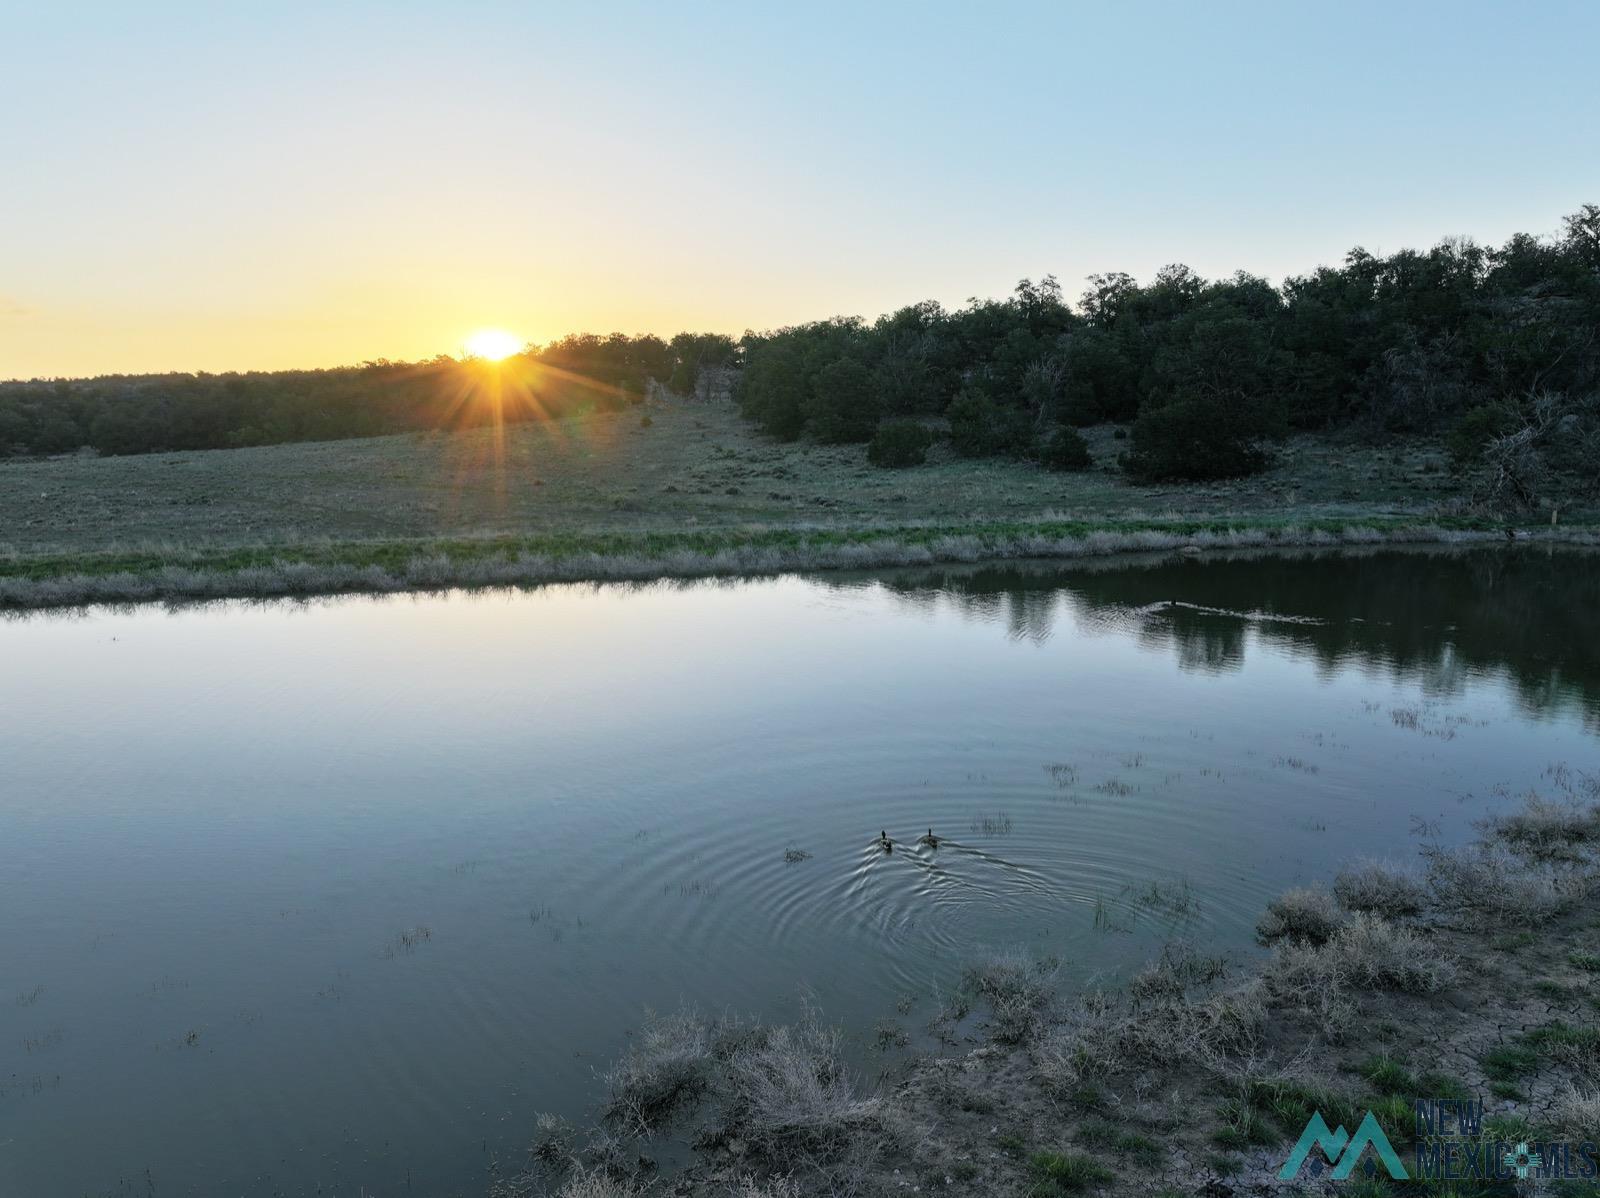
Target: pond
pixel 301 898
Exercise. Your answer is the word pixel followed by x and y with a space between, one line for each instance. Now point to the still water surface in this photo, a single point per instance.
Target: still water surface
pixel 303 898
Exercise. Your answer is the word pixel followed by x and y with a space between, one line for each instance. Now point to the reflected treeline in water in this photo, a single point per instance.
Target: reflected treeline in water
pixel 1436 615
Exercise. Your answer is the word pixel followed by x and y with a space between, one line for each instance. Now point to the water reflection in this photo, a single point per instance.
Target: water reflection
pixel 304 896
pixel 1433 615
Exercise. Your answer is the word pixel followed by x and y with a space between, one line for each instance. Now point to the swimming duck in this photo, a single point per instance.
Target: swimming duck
pixel 884 842
pixel 929 841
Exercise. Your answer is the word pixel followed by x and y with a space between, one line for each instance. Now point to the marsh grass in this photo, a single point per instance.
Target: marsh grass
pixel 1063 773
pixel 497 560
pixel 1376 888
pixel 1175 899
pixel 782 1092
pixel 998 824
pixel 1108 919
pixel 1548 830
pixel 1020 994
pixel 407 941
pixel 1306 915
pixel 1367 953
pixel 1489 886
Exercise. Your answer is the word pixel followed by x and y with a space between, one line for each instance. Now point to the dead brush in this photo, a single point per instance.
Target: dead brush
pixel 1368 953
pixel 598 1184
pixel 1575 1114
pixel 1019 991
pixel 1380 889
pixel 664 1069
pixel 790 1099
pixel 1547 830
pixel 1488 886
pixel 1178 970
pixel 1105 1034
pixel 1306 915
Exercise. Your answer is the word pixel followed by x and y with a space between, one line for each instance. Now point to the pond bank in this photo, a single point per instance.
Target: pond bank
pixel 1471 976
pixel 177 574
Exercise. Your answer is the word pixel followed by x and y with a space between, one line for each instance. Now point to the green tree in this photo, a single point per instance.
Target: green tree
pixel 844 404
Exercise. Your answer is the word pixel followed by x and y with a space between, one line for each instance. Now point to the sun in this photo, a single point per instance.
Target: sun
pixel 493 344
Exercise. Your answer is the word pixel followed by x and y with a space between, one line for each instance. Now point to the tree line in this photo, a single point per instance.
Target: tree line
pixel 130 414
pixel 1495 349
pixel 1471 343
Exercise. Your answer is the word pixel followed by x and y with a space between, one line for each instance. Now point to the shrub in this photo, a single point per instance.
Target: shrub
pixel 1366 953
pixel 1546 829
pixel 684 377
pixel 790 1096
pixel 843 406
pixel 1380 889
pixel 1019 992
pixel 1576 1115
pixel 1488 886
pixel 1065 449
pixel 664 1069
pixel 1195 439
pixel 899 443
pixel 599 1185
pixel 1304 916
pixel 1102 1035
pixel 1178 970
pixel 981 428
pixel 1476 428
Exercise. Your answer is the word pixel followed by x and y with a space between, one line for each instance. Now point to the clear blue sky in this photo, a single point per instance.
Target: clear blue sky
pixel 243 185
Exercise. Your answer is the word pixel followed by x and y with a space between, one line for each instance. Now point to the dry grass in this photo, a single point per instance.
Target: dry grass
pixel 1367 953
pixel 1548 830
pixel 600 1185
pixel 1169 1019
pixel 1020 993
pixel 782 1093
pixel 1489 886
pixel 1307 915
pixel 1378 888
pixel 665 1069
pixel 382 567
pixel 791 1099
pixel 1575 1115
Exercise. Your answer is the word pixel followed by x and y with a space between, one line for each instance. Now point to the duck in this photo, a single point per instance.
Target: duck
pixel 884 842
pixel 929 841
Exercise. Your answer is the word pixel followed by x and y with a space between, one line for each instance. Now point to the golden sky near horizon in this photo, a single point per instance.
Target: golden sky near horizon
pixel 192 186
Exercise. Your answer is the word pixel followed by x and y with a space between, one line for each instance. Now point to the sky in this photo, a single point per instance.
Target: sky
pixel 260 186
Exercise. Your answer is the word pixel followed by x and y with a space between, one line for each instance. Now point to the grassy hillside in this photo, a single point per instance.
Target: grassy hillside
pixel 697 464
pixel 610 495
